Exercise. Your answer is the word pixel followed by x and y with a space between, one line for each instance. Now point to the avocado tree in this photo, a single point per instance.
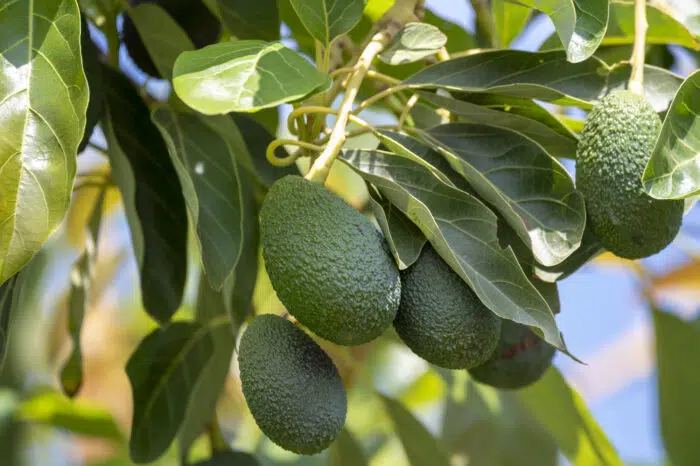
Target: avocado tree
pixel 383 176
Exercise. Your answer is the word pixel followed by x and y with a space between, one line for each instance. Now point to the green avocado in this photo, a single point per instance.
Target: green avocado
pixel 441 319
pixel 192 16
pixel 291 386
pixel 520 358
pixel 616 143
pixel 327 262
pixel 93 74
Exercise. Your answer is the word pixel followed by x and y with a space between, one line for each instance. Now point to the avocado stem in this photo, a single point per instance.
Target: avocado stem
pixel 636 82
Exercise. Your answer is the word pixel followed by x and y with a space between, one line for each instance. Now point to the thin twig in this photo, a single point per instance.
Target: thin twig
pixel 636 82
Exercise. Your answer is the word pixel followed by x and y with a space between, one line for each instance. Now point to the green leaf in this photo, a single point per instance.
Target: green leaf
pixel 662 27
pixel 509 20
pixel 250 20
pixel 562 411
pixel 163 371
pixel 544 76
pixel 673 171
pixel 205 152
pixel 328 19
pixel 162 36
pixel 552 141
pixel 463 231
pixel 77 416
pixel 43 99
pixel 422 449
pixel 7 291
pixel 404 239
pixel 580 25
pixel 677 349
pixel 414 42
pixel 71 375
pixel 347 451
pixel 153 200
pixel 687 12
pixel 11 431
pixel 458 39
pixel 229 458
pixel 531 190
pixel 244 76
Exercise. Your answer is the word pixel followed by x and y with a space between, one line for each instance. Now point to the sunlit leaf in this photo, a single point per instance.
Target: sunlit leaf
pixel 562 411
pixel 677 347
pixel 43 98
pixel 531 190
pixel 687 12
pixel 347 451
pixel 162 36
pixel 422 449
pixel 414 42
pixel 463 231
pixel 458 38
pixel 153 200
pixel 244 76
pixel 163 371
pixel 327 19
pixel 509 19
pixel 673 171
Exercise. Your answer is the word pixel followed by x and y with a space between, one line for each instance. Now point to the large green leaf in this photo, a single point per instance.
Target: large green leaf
pixel 6 303
pixel 250 20
pixel 414 42
pixel 153 200
pixel 563 413
pixel 673 171
pixel 164 39
pixel 580 24
pixel 43 99
pixel 347 451
pixel 544 76
pixel 422 449
pixel 163 371
pixel 509 19
pixel 463 231
pixel 552 141
pixel 663 28
pixel 205 152
pixel 328 19
pixel 531 190
pixel 244 76
pixel 687 12
pixel 677 349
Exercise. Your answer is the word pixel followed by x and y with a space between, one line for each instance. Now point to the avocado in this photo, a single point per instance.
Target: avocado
pixel 441 319
pixel 192 16
pixel 291 386
pixel 520 358
pixel 93 74
pixel 327 262
pixel 616 143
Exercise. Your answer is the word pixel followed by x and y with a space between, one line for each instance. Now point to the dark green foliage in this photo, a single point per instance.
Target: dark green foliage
pixel 520 359
pixel 328 264
pixel 441 319
pixel 192 16
pixel 617 141
pixel 93 74
pixel 291 386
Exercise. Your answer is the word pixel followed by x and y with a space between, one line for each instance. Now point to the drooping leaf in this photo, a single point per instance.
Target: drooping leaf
pixel 205 153
pixel 80 417
pixel 509 19
pixel 163 371
pixel 6 303
pixel 544 76
pixel 422 449
pixel 162 36
pixel 244 76
pixel 463 231
pixel 404 239
pixel 562 411
pixel 229 458
pixel 673 171
pixel 347 451
pixel 458 38
pixel 43 99
pixel 71 374
pixel 153 200
pixel 414 42
pixel 553 142
pixel 580 25
pixel 250 20
pixel 677 346
pixel 531 190
pixel 93 75
pixel 328 19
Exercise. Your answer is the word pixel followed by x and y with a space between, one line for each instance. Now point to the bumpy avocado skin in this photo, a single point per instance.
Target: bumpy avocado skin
pixel 291 386
pixel 192 16
pixel 328 264
pixel 616 143
pixel 520 359
pixel 441 319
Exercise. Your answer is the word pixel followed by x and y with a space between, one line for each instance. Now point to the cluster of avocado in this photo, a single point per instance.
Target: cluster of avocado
pixel 333 271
